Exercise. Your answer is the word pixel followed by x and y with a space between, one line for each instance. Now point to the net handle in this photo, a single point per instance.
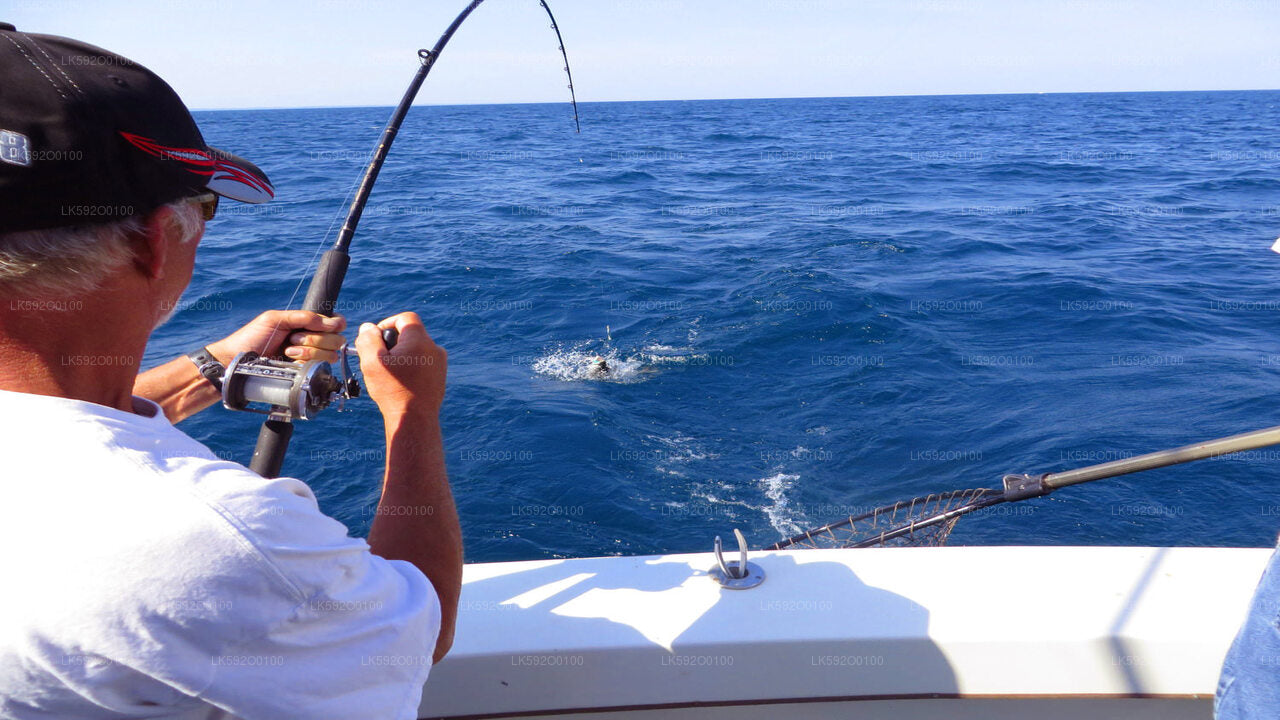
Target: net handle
pixel 1164 458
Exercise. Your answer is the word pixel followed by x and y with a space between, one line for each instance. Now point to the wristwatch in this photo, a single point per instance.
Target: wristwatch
pixel 208 365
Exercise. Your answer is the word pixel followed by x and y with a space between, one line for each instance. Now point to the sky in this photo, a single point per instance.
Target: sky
pixel 222 54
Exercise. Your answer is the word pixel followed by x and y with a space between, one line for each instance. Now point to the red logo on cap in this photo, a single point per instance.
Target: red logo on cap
pixel 224 177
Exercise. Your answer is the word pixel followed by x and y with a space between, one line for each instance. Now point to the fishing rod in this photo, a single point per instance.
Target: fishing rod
pixel 290 390
pixel 927 521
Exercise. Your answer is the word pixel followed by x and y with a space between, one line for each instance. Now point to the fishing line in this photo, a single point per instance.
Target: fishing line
pixel 324 240
pixel 429 61
pixel 299 390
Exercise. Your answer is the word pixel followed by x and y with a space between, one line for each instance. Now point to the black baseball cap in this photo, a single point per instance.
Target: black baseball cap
pixel 88 136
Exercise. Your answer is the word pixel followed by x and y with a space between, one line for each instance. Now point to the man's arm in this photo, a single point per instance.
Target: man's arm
pixel 178 388
pixel 181 391
pixel 416 521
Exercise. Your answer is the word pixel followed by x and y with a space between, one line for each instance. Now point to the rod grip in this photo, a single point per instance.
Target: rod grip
pixel 273 441
pixel 322 294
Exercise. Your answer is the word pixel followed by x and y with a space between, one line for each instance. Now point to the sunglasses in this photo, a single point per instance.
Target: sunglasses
pixel 208 205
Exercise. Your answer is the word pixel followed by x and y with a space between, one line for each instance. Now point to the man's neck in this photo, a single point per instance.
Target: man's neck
pixel 80 348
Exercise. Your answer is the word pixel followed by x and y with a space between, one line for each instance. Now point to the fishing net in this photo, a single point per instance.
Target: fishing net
pixel 920 522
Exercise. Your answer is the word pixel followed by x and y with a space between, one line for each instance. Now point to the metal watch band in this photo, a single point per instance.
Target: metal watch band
pixel 208 365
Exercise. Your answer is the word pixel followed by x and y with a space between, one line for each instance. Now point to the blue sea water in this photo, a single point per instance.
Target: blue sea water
pixel 813 307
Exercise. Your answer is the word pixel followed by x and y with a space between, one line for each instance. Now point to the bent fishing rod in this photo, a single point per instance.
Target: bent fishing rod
pixel 927 521
pixel 290 390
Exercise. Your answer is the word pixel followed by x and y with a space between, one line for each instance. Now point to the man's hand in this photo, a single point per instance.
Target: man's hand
pixel 297 334
pixel 408 378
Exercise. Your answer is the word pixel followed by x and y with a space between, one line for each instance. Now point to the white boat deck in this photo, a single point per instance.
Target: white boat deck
pixel 979 632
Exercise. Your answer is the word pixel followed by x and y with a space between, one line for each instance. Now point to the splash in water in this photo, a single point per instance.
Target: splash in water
pixel 782 515
pixel 593 361
pixel 592 364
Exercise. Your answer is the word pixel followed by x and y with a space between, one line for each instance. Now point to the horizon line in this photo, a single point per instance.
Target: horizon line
pixel 729 99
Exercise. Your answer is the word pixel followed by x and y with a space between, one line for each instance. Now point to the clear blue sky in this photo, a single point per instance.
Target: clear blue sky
pixel 288 53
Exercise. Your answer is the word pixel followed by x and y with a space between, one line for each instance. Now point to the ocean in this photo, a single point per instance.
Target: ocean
pixel 812 307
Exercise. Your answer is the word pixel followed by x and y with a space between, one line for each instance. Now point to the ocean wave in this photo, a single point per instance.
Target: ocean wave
pixel 738 137
pixel 779 510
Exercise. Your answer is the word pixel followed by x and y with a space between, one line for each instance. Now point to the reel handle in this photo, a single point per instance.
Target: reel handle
pixel 390 337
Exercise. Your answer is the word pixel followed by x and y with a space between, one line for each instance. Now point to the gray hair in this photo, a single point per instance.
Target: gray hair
pixel 72 261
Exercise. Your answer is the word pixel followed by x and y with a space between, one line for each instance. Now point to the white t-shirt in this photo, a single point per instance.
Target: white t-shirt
pixel 140 576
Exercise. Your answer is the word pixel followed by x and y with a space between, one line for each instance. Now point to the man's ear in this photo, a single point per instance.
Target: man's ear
pixel 151 243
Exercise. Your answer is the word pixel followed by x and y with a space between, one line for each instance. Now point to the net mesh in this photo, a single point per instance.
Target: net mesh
pixel 920 522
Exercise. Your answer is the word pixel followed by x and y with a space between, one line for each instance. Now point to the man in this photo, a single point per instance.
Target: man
pixel 142 576
pixel 1249 684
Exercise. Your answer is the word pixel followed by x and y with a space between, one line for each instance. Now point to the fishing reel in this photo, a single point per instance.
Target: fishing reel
pixel 287 390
